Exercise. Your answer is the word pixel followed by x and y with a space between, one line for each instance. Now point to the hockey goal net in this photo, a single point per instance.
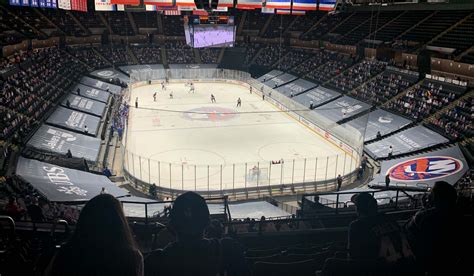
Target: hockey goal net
pixel 257 175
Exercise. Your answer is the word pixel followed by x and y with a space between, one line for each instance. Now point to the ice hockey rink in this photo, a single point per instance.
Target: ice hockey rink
pixel 187 142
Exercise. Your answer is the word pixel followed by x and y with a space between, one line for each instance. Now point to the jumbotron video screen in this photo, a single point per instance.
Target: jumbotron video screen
pixel 209 31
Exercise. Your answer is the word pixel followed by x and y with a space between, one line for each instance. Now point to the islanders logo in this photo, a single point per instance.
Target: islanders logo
pixel 425 168
pixel 212 114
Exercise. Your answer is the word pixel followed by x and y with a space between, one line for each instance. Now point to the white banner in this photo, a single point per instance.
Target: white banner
pixel 64 4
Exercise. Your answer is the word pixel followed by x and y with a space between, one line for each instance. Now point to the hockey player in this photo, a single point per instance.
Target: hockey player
pixel 239 102
pixel 213 99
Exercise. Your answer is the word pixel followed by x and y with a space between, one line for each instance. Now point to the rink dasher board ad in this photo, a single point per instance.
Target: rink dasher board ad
pixel 112 88
pixel 270 75
pixel 423 170
pixel 91 93
pixel 84 105
pixel 318 95
pixel 296 87
pixel 74 120
pixel 52 139
pixel 412 139
pixel 59 184
pixel 379 120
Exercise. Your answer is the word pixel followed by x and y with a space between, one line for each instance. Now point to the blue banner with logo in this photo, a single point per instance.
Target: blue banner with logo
pixel 15 2
pixel 423 170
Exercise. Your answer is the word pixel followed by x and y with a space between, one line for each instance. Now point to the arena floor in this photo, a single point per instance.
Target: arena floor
pixel 223 148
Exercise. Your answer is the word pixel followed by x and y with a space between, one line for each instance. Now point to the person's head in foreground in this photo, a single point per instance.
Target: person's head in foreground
pixel 365 203
pixel 443 195
pixel 189 216
pixel 102 243
pixel 192 254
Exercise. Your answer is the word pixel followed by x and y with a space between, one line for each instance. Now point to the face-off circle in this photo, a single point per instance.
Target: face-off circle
pixel 211 113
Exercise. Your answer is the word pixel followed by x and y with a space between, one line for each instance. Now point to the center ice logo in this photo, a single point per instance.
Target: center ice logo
pixel 213 114
pixel 425 168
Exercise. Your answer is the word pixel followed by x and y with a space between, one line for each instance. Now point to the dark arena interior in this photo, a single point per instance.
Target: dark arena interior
pixel 236 137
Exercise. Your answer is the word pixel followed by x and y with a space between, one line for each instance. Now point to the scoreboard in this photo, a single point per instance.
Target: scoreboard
pixel 209 31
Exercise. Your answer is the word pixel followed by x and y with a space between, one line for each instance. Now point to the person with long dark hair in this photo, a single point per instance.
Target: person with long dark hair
pixel 191 253
pixel 102 243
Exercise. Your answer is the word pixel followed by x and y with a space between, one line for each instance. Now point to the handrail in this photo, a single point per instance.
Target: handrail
pixel 59 222
pixel 11 224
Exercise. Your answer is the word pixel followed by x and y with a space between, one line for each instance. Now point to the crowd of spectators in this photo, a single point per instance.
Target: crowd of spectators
pixel 270 55
pixel 21 201
pixel 294 58
pixel 329 21
pixel 89 56
pixel 209 55
pixel 356 75
pixel 192 242
pixel 250 50
pixel 458 121
pixel 316 59
pixel 173 25
pixel 12 30
pixel 47 72
pixel 423 100
pixel 116 54
pixel 278 25
pixel 332 68
pixel 147 54
pixel 383 87
pixel 179 52
pixel 304 23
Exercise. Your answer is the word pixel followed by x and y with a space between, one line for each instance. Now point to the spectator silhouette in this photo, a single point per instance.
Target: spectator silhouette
pixel 372 231
pixel 437 234
pixel 376 245
pixel 215 230
pixel 35 212
pixel 192 254
pixel 102 243
pixel 13 210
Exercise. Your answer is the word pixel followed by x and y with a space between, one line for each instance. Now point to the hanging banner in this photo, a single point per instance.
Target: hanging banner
pixel 327 5
pixel 125 2
pixel 14 2
pixel 34 3
pixel 283 11
pixel 249 4
pixel 298 12
pixel 160 3
pixel 65 4
pixel 79 5
pixel 225 3
pixel 279 4
pixel 104 5
pixel 304 5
